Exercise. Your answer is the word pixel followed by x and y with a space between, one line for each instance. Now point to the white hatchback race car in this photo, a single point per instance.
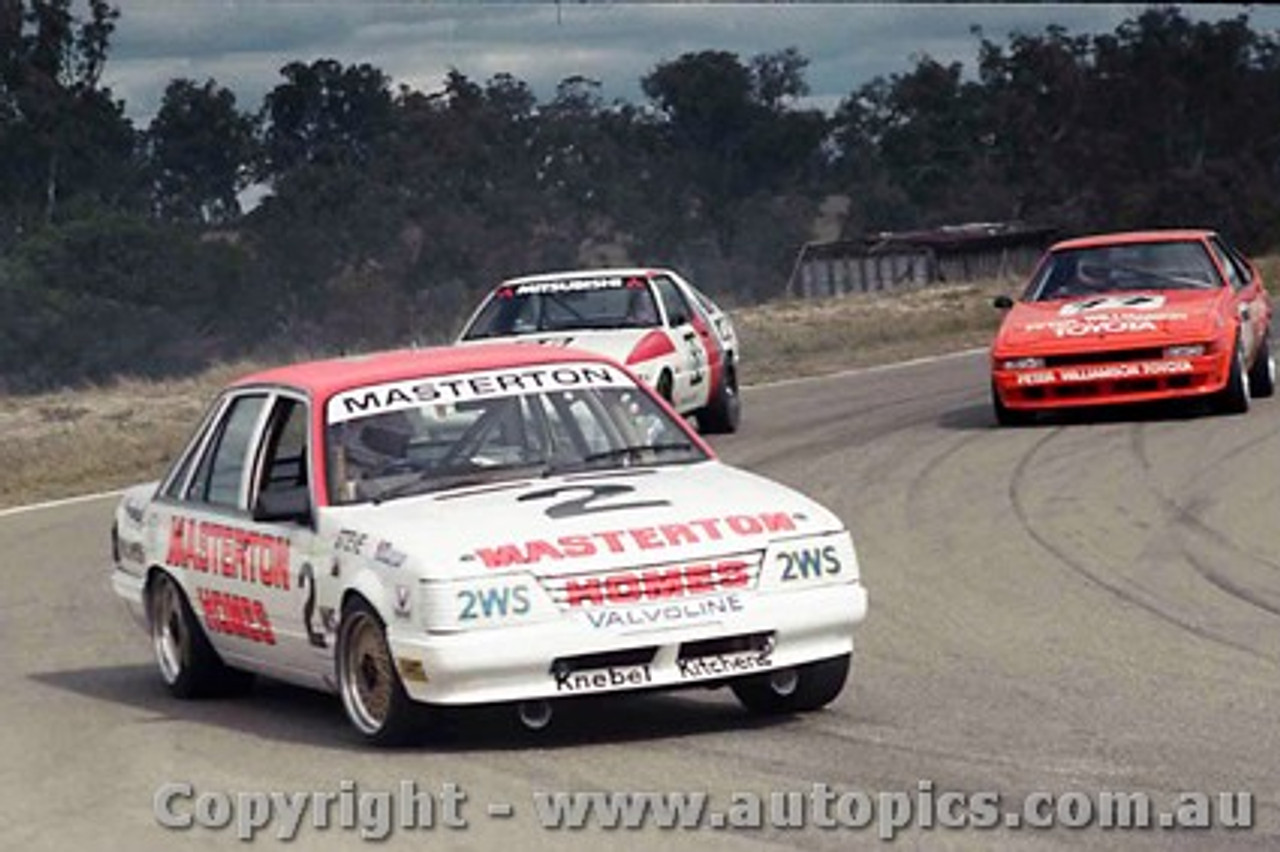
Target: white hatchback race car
pixel 669 333
pixel 475 525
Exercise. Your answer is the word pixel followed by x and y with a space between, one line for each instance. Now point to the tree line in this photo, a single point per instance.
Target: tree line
pixel 387 211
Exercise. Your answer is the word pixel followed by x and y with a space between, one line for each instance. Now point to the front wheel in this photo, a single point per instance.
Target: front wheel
pixel 1234 398
pixel 799 690
pixel 372 695
pixel 1262 375
pixel 1006 416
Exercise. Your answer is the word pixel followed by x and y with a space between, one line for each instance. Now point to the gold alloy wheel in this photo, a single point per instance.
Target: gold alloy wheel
pixel 365 674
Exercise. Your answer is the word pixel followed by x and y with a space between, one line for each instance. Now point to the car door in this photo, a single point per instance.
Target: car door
pixel 243 577
pixel 689 386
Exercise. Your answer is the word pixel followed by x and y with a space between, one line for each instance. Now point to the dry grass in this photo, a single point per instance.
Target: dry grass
pixel 79 441
pixel 806 338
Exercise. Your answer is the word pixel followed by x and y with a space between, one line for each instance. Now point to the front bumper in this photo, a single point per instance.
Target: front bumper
pixel 748 634
pixel 1111 382
pixel 131 588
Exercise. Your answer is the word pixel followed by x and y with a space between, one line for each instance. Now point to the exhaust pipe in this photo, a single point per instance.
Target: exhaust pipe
pixel 784 682
pixel 534 715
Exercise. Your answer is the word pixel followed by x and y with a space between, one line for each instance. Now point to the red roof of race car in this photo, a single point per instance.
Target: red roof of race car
pixel 1127 237
pixel 322 379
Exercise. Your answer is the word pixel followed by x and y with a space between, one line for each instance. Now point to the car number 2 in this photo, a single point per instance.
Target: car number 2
pixel 594 499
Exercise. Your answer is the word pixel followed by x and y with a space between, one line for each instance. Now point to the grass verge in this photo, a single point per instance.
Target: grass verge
pixel 82 441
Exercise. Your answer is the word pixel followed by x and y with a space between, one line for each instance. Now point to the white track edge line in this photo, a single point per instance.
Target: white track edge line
pixel 875 368
pixel 57 504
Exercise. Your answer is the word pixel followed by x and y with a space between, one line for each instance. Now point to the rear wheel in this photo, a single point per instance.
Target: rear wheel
pixel 722 413
pixel 372 695
pixel 799 690
pixel 188 663
pixel 1234 398
pixel 1262 375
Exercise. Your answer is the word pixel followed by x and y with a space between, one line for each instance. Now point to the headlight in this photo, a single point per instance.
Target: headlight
pixel 1186 350
pixel 475 603
pixel 1022 364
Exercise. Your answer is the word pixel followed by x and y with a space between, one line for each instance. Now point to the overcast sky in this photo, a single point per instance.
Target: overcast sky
pixel 242 44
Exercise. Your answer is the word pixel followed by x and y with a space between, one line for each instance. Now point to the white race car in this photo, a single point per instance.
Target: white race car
pixel 670 334
pixel 478 524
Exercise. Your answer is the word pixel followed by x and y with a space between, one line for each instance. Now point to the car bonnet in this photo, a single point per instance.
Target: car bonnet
pixel 586 521
pixel 1114 319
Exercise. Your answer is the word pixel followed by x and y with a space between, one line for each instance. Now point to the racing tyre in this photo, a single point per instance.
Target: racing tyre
pixel 663 387
pixel 372 694
pixel 800 690
pixel 1234 398
pixel 1006 416
pixel 1262 375
pixel 722 413
pixel 189 665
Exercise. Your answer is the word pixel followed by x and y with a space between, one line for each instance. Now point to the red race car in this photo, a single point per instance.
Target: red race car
pixel 1134 317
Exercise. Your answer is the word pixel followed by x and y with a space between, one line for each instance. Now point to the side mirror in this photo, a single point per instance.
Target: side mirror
pixel 284 505
pixel 1002 302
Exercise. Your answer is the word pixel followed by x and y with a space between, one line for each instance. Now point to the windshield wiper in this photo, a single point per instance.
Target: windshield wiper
pixel 427 482
pixel 631 451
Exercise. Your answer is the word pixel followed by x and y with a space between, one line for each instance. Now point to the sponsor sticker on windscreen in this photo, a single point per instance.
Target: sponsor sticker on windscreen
pixel 465 387
pixel 569 285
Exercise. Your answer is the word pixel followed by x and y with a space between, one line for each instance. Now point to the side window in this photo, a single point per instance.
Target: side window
pixel 1237 274
pixel 678 310
pixel 284 465
pixel 176 480
pixel 222 469
pixel 1242 265
pixel 708 307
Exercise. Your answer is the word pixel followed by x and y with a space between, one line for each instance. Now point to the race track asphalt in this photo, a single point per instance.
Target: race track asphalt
pixel 1087 605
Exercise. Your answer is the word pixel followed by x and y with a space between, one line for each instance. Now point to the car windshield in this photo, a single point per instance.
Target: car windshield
pixel 566 305
pixel 1182 265
pixel 420 435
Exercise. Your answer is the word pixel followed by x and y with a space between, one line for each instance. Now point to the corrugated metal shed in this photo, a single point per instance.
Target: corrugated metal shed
pixel 901 259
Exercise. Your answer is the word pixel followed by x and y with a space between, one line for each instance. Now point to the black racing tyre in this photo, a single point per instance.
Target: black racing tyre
pixel 372 695
pixel 721 415
pixel 663 387
pixel 1262 375
pixel 800 690
pixel 1006 416
pixel 189 665
pixel 1234 397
